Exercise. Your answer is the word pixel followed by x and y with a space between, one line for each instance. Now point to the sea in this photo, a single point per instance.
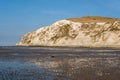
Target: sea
pixel 59 63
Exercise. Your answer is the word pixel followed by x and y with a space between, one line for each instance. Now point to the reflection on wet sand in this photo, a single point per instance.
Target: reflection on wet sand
pixel 82 68
pixel 59 66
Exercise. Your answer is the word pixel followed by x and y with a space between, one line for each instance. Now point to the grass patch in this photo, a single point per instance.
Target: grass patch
pixel 94 19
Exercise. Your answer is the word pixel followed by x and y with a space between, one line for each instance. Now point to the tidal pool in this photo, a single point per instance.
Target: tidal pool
pixel 46 63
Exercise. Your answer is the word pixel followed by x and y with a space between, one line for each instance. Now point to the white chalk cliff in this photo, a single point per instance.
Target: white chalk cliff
pixel 75 34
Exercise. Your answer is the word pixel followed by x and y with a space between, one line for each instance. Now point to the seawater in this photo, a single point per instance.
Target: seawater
pixel 53 63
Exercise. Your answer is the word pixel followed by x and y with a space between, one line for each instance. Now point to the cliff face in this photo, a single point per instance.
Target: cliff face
pixel 94 33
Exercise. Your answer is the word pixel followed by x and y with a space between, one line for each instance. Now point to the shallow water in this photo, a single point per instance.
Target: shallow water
pixel 46 63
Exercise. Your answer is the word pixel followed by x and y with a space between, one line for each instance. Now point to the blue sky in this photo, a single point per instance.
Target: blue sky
pixel 18 17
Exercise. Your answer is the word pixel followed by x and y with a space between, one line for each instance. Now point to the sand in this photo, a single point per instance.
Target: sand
pixel 48 63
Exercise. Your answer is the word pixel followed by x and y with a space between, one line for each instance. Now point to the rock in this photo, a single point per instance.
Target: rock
pixel 94 32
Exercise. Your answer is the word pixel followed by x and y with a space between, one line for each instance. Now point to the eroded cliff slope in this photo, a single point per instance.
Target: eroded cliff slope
pixel 76 32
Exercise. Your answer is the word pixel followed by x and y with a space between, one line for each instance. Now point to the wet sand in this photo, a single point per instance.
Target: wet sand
pixel 46 63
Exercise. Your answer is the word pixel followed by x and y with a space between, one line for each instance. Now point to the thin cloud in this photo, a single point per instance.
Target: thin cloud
pixel 56 12
pixel 114 4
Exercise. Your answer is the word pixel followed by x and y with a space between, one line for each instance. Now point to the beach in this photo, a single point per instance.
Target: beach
pixel 58 63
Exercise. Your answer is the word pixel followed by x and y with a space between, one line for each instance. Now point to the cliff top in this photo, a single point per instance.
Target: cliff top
pixel 94 19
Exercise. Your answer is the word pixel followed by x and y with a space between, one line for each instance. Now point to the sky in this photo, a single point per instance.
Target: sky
pixel 18 17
